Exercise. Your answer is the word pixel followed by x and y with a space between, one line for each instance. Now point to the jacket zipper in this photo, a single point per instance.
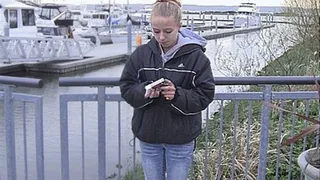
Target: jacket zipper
pixel 162 74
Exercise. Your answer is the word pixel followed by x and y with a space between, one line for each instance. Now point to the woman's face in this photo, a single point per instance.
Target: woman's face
pixel 165 30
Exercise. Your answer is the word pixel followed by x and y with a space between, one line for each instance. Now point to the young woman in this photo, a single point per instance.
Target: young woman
pixel 167 119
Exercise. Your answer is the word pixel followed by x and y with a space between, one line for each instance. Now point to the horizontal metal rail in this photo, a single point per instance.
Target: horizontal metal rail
pixel 20 81
pixel 258 80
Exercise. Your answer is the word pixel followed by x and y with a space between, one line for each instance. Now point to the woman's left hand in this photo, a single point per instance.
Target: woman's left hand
pixel 168 90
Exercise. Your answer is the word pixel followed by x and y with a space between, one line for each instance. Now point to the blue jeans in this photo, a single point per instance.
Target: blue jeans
pixel 160 158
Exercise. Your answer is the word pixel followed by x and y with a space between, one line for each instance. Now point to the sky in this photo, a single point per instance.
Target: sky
pixel 198 2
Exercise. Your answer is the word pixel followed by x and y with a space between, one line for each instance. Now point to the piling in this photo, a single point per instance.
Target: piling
pixel 129 43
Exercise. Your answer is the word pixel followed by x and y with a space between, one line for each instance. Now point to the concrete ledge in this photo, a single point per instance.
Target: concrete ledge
pixel 61 67
pixel 217 35
pixel 10 68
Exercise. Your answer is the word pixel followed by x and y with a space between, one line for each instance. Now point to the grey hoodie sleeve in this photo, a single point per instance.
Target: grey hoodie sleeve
pixel 132 90
pixel 193 101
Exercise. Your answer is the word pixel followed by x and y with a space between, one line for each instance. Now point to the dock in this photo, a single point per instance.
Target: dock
pixel 270 21
pixel 102 56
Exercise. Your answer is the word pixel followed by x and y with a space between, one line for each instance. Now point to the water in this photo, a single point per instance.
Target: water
pixel 227 59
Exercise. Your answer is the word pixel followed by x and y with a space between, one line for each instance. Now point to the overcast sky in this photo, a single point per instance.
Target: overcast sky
pixel 198 2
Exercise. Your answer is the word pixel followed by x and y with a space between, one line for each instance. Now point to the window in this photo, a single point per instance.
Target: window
pixel 66 15
pixel 13 18
pixel 76 13
pixel 6 15
pixel 62 9
pixel 54 13
pixel 28 18
pixel 45 14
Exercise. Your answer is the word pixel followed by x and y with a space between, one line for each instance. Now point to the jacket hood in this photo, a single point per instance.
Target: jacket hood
pixel 185 37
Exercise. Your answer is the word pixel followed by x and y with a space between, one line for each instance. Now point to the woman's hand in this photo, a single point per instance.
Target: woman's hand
pixel 168 90
pixel 152 93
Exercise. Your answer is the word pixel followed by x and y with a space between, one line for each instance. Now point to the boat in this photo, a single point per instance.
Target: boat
pixel 56 20
pixel 39 37
pixel 247 15
pixel 19 17
pixel 143 14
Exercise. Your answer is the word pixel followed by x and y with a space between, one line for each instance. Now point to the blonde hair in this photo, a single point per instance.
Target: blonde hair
pixel 167 8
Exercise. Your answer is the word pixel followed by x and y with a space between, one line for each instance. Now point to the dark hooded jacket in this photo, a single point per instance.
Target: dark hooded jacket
pixel 156 120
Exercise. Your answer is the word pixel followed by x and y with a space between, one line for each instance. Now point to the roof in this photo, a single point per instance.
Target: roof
pixel 17 5
pixel 52 5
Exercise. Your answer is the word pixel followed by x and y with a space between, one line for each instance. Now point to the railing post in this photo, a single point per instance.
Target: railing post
pixel 206 146
pixel 134 158
pixel 39 139
pixel 192 24
pixel 10 135
pixel 129 43
pixel 264 132
pixel 101 133
pixel 204 19
pixel 188 24
pixel 119 140
pixel 211 20
pixel 64 139
pixel 260 21
pixel 216 24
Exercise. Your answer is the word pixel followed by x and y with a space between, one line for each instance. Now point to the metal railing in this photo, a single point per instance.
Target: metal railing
pixel 9 98
pixel 42 49
pixel 264 97
pixel 220 129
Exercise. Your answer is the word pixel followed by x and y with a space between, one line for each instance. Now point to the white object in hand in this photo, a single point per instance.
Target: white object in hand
pixel 153 84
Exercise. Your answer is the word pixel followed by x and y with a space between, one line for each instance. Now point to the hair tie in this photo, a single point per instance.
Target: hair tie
pixel 176 2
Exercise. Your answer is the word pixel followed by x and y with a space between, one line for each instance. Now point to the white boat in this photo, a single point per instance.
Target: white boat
pixel 143 14
pixel 247 15
pixel 19 17
pixel 55 20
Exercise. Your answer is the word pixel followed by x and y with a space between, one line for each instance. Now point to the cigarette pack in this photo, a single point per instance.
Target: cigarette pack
pixel 154 84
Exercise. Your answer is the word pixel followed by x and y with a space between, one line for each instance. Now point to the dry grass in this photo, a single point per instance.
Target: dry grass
pixel 227 156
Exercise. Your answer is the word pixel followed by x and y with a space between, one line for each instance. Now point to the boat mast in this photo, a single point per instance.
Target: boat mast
pixel 110 17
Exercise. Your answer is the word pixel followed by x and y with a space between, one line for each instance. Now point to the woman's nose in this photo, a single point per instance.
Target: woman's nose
pixel 162 37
